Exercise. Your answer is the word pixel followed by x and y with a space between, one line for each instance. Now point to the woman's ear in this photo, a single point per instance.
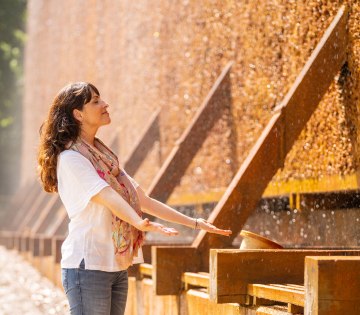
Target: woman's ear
pixel 77 115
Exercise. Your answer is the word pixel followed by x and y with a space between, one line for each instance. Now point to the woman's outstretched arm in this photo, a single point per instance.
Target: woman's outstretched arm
pixel 163 211
pixel 109 198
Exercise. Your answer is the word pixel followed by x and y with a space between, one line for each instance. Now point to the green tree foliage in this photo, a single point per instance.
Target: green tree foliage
pixel 12 37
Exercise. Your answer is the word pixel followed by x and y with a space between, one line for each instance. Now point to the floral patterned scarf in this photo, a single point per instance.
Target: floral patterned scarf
pixel 126 238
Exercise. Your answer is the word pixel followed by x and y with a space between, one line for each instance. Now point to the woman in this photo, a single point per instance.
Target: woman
pixel 104 204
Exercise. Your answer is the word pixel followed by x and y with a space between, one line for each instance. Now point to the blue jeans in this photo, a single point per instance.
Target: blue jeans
pixel 95 292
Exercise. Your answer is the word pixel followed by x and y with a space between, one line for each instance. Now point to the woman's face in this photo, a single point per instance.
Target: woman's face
pixel 94 113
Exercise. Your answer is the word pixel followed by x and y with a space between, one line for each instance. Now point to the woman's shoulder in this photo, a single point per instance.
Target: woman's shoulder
pixel 71 156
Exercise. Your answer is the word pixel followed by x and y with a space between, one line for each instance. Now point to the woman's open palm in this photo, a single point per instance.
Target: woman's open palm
pixel 149 226
pixel 202 224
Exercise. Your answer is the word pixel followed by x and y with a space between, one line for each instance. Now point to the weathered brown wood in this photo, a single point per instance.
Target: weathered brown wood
pixel 15 203
pixel 45 215
pixel 150 134
pixel 270 150
pixel 231 271
pixel 194 279
pixel 272 310
pixel 56 247
pixel 34 246
pixel 190 142
pixel 295 309
pixel 332 285
pixel 146 269
pixel 168 266
pixel 21 212
pixel 276 293
pixel 197 302
pixel 328 200
pixel 45 246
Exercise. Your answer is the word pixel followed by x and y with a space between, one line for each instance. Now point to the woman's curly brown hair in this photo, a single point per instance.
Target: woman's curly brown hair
pixel 60 128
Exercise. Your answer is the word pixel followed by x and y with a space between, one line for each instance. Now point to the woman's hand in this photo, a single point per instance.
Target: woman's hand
pixel 147 226
pixel 202 224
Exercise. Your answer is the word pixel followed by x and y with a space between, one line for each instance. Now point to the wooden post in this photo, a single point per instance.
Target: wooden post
pixel 168 265
pixel 332 285
pixel 231 271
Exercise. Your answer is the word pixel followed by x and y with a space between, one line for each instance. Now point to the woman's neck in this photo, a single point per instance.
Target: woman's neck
pixel 89 137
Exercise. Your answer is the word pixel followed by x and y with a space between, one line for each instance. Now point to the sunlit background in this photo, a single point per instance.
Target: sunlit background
pixel 164 57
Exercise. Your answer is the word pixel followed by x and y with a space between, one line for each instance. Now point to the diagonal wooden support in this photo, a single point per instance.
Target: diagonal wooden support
pixel 20 213
pixel 16 201
pixel 190 142
pixel 269 152
pixel 147 139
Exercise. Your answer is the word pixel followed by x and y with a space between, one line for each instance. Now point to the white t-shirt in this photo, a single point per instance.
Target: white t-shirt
pixel 90 223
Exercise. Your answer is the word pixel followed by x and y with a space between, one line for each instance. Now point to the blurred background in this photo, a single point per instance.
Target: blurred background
pixel 12 41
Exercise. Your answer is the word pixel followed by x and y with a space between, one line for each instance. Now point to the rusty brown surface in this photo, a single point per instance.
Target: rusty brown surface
pixel 268 154
pixel 190 142
pixel 143 145
pixel 169 56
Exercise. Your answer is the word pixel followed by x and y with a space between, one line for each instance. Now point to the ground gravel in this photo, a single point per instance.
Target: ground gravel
pixel 24 291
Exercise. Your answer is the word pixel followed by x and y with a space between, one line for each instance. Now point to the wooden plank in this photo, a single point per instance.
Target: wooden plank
pixel 299 288
pixel 152 304
pixel 270 150
pixel 197 302
pixel 295 309
pixel 146 269
pixel 232 270
pixel 329 200
pixel 273 310
pixel 190 142
pixel 195 279
pixel 279 294
pixel 168 266
pixel 332 285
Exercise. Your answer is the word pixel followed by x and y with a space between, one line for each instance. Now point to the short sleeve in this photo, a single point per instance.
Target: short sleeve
pixel 133 181
pixel 78 181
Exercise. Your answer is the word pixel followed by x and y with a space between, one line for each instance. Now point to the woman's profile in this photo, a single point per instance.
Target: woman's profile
pixel 104 204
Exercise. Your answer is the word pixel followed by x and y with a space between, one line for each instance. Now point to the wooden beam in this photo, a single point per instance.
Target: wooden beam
pixel 276 293
pixel 168 265
pixel 146 269
pixel 332 285
pixel 270 150
pixel 56 247
pixel 195 279
pixel 190 142
pixel 150 134
pixel 231 271
pixel 328 200
pixel 20 213
pixel 15 203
